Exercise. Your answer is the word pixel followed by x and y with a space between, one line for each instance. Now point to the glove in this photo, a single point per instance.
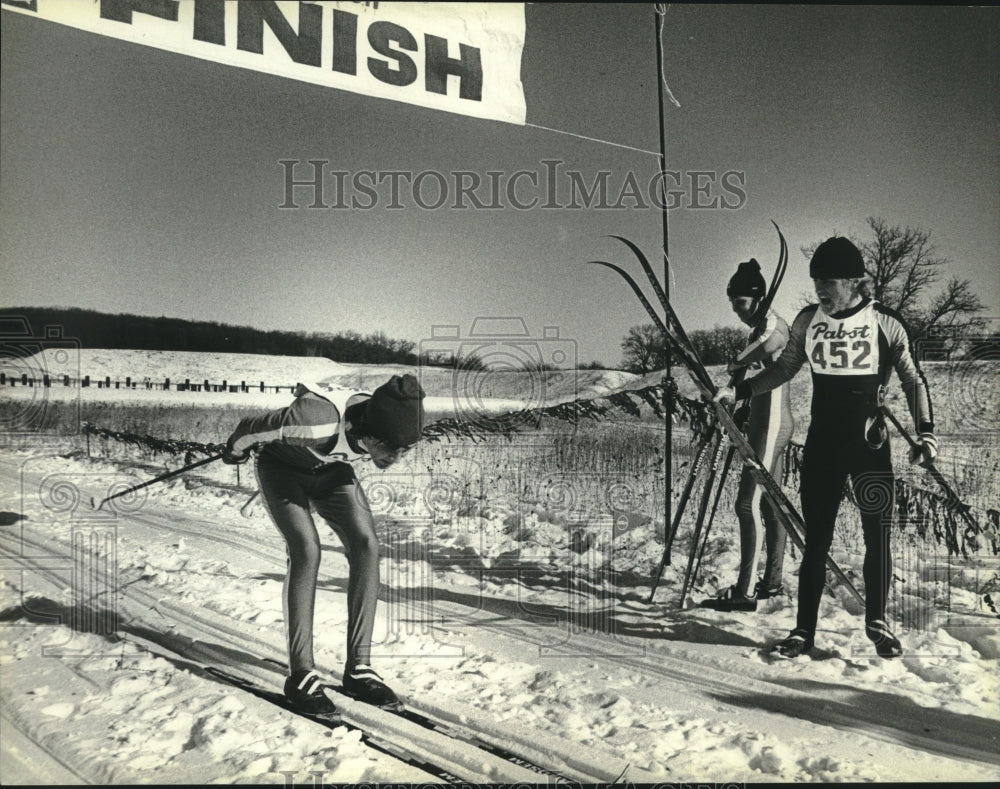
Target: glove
pixel 925 451
pixel 726 395
pixel 232 458
pixel 876 433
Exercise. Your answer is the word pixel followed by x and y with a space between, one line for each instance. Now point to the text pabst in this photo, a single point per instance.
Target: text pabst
pixel 823 330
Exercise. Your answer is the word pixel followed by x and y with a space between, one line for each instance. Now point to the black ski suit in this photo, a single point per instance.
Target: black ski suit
pixel 852 354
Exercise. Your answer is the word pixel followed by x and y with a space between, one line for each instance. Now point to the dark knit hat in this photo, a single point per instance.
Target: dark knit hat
pixel 837 258
pixel 747 281
pixel 395 412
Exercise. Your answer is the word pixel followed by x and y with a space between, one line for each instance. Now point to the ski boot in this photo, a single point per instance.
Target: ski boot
pixel 305 693
pixel 362 683
pixel 730 600
pixel 798 642
pixel 762 592
pixel 886 644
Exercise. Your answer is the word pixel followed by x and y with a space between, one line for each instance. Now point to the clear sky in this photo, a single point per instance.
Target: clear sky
pixel 138 180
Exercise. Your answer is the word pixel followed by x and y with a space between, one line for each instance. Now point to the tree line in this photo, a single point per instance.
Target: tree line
pixel 93 329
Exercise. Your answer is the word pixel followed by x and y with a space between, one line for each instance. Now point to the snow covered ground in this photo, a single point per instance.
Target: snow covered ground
pixel 234 368
pixel 447 396
pixel 529 625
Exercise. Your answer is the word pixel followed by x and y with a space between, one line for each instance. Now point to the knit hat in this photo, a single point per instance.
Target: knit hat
pixel 747 281
pixel 837 258
pixel 395 413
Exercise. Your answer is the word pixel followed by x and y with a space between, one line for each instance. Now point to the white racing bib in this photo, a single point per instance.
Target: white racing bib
pixel 843 346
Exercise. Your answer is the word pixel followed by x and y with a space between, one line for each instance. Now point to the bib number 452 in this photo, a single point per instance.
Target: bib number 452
pixel 842 355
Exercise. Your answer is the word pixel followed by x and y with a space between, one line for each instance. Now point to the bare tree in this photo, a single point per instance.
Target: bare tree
pixel 719 344
pixel 955 304
pixel 904 267
pixel 644 349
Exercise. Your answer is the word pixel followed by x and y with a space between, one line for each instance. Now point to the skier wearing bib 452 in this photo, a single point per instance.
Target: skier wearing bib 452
pixel 768 429
pixel 305 460
pixel 852 345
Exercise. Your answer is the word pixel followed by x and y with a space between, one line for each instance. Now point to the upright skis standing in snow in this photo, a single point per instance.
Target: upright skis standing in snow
pixel 680 344
pixel 689 578
pixel 695 470
pixel 699 522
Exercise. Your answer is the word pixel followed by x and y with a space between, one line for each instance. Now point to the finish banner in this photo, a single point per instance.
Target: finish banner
pixel 457 57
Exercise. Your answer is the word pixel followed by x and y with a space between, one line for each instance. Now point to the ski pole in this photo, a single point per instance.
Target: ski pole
pixel 681 505
pixel 243 509
pixel 952 497
pixel 168 475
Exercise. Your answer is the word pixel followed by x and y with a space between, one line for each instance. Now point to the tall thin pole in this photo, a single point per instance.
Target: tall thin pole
pixel 668 432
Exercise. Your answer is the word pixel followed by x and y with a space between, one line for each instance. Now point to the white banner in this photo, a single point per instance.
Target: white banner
pixel 457 57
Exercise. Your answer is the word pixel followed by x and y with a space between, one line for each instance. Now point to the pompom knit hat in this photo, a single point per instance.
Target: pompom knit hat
pixel 747 281
pixel 395 412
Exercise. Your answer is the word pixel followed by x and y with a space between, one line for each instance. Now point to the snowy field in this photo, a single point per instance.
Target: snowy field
pixel 515 612
pixel 448 395
pixel 285 371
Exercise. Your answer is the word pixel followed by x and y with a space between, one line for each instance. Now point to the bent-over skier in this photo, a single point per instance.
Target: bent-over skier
pixel 768 429
pixel 852 344
pixel 305 458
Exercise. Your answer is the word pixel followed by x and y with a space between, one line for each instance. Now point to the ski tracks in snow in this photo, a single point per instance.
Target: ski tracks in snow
pixel 651 683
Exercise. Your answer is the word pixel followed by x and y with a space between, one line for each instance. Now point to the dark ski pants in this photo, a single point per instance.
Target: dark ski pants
pixel 826 464
pixel 288 493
